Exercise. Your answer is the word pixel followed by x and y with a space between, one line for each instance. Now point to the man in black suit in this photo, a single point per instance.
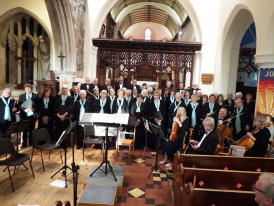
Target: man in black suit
pixel 135 86
pixel 208 142
pixel 120 85
pixel 87 86
pixel 181 87
pixel 28 113
pixel 230 103
pixel 168 85
pixel 221 117
pixel 156 86
pixel 96 85
pixel 108 84
pixel 194 89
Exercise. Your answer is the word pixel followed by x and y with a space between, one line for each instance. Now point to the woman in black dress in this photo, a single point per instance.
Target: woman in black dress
pixel 120 104
pixel 45 110
pixel 139 107
pixel 112 99
pixel 211 107
pixel 171 147
pixel 80 107
pixel 103 105
pixel 260 138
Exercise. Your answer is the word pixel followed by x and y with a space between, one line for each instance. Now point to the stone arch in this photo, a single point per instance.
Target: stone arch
pixel 110 3
pixel 269 39
pixel 236 25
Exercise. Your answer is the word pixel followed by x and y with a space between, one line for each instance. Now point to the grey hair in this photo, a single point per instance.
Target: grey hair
pixel 128 90
pixel 64 86
pixel 75 87
pixel 156 83
pixel 178 94
pixel 238 100
pixel 144 90
pixel 149 88
pixel 103 91
pixel 5 90
pixel 83 92
pixel 229 94
pixel 268 184
pixel 239 93
pixel 211 120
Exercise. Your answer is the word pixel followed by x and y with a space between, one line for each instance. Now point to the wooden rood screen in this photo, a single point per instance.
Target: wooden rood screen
pixel 145 60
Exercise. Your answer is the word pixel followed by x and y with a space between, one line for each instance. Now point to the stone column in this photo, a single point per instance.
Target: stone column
pixel 93 64
pixel 19 52
pixel 197 68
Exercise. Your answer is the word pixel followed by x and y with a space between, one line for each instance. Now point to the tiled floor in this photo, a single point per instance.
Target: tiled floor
pixel 138 189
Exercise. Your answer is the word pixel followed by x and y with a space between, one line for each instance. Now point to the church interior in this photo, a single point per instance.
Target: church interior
pixel 223 50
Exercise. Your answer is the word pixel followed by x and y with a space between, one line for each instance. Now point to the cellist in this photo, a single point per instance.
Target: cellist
pixel 221 117
pixel 171 147
pixel 260 138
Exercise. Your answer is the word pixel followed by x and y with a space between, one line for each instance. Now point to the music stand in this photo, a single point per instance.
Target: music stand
pixel 62 138
pixel 158 133
pixel 17 127
pixel 107 120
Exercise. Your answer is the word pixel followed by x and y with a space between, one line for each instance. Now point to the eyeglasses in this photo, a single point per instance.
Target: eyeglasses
pixel 254 188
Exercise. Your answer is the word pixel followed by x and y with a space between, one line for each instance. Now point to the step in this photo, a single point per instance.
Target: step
pixel 99 178
pixel 98 195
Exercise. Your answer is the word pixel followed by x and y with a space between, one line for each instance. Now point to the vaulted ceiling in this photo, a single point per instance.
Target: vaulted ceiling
pixel 149 12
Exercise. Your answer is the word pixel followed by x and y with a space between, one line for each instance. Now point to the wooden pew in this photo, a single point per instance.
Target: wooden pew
pixel 211 179
pixel 202 197
pixel 224 162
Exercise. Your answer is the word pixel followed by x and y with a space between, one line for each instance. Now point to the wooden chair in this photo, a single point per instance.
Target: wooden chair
pixel 271 147
pixel 125 142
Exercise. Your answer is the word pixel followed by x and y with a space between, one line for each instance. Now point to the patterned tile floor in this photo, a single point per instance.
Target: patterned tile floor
pixel 138 189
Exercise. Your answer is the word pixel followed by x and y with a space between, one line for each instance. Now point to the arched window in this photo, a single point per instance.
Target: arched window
pixel 148 34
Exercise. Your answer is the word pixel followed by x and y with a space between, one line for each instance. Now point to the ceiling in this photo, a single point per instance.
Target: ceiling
pixel 148 13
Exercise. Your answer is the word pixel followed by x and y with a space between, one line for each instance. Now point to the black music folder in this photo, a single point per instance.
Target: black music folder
pixel 63 109
pixel 43 112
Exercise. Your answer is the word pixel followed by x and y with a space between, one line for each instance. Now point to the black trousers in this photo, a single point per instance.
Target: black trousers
pixel 3 129
pixel 171 147
pixel 28 132
pixel 49 126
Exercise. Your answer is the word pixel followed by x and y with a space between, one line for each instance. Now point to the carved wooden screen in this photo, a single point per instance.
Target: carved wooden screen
pixel 145 61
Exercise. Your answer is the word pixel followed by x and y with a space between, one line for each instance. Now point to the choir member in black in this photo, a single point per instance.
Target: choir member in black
pixel 211 107
pixel 183 92
pixel 46 103
pixel 260 138
pixel 199 97
pixel 238 95
pixel 221 117
pixel 136 107
pixel 95 97
pixel 96 85
pixel 165 95
pixel 75 94
pixel 187 98
pixel 230 103
pixel 135 86
pixel 145 98
pixel 112 99
pixel 103 105
pixel 207 143
pixel 8 107
pixel 150 93
pixel 28 113
pixel 171 147
pixel 120 84
pixel 144 86
pixel 108 84
pixel 249 103
pixel 181 87
pixel 168 85
pixel 220 100
pixel 87 86
pixel 216 95
pixel 171 98
pixel 134 94
pixel 241 123
pixel 194 112
pixel 205 99
pixel 129 100
pixel 174 107
pixel 155 106
pixel 194 89
pixel 156 86
pixel 81 106
pixel 120 104
pixel 160 91
pixel 61 121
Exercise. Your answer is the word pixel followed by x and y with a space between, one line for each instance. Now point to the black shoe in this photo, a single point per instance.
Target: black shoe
pixel 170 170
pixel 23 146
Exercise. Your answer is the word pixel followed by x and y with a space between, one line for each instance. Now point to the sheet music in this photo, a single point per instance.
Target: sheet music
pixel 102 118
pixel 121 118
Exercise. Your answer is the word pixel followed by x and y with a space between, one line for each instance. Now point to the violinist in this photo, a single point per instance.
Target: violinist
pixel 241 123
pixel 208 142
pixel 171 147
pixel 260 138
pixel 221 117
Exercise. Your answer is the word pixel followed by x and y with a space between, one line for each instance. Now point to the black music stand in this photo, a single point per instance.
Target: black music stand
pixel 110 120
pixel 158 133
pixel 62 138
pixel 17 127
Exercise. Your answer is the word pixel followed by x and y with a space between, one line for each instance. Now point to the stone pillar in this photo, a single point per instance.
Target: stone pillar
pixel 197 68
pixel 19 52
pixel 92 70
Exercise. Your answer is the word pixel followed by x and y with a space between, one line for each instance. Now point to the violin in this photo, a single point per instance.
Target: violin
pixel 184 145
pixel 174 133
pixel 246 141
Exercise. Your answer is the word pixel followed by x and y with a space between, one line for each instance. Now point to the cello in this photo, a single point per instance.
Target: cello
pixel 222 131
